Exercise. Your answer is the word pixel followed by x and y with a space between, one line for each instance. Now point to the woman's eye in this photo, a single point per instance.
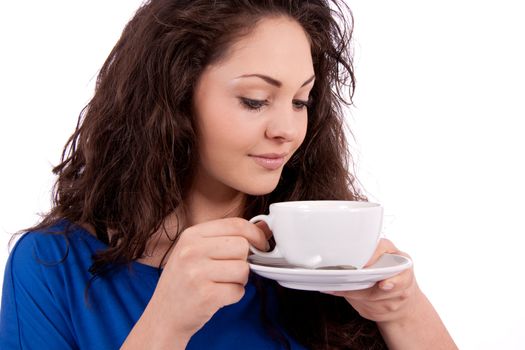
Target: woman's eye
pixel 257 105
pixel 252 105
pixel 300 104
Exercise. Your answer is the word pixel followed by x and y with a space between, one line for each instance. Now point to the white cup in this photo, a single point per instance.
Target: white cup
pixel 320 233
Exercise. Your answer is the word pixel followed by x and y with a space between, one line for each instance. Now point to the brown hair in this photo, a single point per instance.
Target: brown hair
pixel 130 161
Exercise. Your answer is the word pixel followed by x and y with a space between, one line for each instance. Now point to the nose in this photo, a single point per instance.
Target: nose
pixel 286 124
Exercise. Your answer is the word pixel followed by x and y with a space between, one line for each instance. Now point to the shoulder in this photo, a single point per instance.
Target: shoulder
pixel 43 276
pixel 38 246
pixel 45 265
pixel 55 247
pixel 44 245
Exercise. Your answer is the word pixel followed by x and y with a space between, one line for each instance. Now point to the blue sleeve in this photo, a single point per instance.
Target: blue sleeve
pixel 31 316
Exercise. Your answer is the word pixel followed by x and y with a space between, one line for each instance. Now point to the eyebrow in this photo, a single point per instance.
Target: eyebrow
pixel 273 81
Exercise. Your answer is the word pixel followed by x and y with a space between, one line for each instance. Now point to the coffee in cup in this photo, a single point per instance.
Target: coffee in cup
pixel 323 233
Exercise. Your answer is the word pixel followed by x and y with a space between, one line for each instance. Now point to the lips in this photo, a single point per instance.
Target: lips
pixel 269 161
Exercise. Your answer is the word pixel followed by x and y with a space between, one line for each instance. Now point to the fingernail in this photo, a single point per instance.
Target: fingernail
pixel 267 248
pixel 387 286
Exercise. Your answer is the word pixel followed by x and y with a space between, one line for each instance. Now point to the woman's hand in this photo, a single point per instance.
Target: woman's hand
pixel 206 270
pixel 389 299
pixel 405 317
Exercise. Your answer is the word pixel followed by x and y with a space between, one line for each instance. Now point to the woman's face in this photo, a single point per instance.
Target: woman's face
pixel 251 109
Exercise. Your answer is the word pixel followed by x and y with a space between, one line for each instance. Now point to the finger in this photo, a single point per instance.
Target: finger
pixel 380 294
pixel 226 247
pixel 232 227
pixel 384 246
pixel 365 295
pixel 264 227
pixel 229 271
pixel 400 281
pixel 356 295
pixel 386 289
pixel 381 290
pixel 228 293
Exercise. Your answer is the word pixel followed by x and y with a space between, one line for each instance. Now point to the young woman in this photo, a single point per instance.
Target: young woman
pixel 204 113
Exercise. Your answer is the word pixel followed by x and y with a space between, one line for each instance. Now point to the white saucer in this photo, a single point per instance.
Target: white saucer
pixel 289 276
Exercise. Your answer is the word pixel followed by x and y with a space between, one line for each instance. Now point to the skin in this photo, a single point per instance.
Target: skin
pixel 207 268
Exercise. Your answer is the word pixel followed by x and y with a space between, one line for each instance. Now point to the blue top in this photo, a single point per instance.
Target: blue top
pixel 44 300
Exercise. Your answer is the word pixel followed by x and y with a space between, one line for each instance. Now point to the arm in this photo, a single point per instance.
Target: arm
pixel 152 332
pixel 420 328
pixel 405 317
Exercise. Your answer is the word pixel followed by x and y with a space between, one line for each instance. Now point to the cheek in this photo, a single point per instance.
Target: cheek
pixel 226 132
pixel 215 123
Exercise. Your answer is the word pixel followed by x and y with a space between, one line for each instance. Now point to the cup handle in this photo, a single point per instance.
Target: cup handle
pixel 275 253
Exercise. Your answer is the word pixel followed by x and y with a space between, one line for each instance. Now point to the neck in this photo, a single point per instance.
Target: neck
pixel 205 204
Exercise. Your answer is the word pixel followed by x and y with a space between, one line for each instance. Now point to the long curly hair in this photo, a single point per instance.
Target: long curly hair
pixel 131 159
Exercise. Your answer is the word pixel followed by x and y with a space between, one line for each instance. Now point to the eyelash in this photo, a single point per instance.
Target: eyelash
pixel 257 105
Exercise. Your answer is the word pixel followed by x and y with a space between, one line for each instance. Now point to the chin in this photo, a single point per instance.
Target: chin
pixel 259 189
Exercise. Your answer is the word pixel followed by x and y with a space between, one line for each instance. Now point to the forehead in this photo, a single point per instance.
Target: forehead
pixel 276 46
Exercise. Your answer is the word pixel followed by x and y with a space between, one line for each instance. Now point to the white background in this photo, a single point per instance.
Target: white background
pixel 437 122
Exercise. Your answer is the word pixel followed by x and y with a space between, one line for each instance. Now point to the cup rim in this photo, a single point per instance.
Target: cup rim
pixel 331 205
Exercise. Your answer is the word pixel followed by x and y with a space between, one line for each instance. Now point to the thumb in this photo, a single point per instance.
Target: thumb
pixel 383 246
